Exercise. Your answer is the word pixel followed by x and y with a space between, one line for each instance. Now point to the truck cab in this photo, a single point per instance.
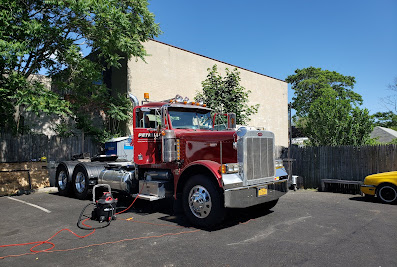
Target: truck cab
pixel 180 151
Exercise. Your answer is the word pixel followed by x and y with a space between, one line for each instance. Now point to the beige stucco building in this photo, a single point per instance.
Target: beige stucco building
pixel 170 70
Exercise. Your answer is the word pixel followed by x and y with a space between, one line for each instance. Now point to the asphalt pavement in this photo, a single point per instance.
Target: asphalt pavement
pixel 306 228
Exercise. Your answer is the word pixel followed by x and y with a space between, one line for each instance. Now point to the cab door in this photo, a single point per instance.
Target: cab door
pixel 147 138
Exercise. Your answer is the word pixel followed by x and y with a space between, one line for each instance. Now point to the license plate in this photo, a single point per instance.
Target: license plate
pixel 262 191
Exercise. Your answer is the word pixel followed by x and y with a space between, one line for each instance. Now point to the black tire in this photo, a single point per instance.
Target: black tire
pixel 80 182
pixel 202 202
pixel 387 193
pixel 62 181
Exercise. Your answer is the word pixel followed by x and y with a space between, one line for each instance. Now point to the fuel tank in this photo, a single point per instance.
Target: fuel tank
pixel 117 179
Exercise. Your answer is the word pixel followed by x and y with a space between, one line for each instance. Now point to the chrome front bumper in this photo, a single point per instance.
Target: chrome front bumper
pixel 243 197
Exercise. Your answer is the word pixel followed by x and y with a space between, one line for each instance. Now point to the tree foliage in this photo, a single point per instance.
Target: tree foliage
pixel 227 95
pixel 386 119
pixel 328 108
pixel 38 36
pixel 311 83
pixel 332 122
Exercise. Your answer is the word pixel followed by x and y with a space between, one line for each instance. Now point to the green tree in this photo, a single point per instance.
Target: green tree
pixel 332 122
pixel 386 119
pixel 311 83
pixel 328 108
pixel 227 95
pixel 38 36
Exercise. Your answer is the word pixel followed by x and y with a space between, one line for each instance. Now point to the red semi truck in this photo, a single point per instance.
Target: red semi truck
pixel 181 151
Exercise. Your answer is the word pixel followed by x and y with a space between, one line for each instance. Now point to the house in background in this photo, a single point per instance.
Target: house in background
pixel 383 135
pixel 170 70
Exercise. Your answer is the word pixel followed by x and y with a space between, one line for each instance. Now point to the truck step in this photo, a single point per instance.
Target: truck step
pixel 147 197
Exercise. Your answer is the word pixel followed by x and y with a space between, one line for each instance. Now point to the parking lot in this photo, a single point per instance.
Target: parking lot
pixel 306 228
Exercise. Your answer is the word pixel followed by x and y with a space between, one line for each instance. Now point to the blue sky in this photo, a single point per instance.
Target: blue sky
pixel 356 38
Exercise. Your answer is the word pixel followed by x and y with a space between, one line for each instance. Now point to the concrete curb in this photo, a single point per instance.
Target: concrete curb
pixel 46 190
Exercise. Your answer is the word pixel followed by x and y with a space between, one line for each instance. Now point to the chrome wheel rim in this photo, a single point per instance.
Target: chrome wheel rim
pixel 200 201
pixel 62 180
pixel 388 194
pixel 80 182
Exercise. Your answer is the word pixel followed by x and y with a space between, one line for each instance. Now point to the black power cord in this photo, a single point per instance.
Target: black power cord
pixel 80 222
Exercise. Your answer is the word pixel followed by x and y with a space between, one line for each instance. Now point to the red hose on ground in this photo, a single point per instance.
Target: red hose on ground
pixel 39 243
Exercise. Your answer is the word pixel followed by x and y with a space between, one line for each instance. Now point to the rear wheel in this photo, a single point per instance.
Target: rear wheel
pixel 80 182
pixel 387 193
pixel 62 181
pixel 202 202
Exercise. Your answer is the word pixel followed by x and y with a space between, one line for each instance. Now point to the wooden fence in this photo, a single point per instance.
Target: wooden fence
pixel 342 162
pixel 32 147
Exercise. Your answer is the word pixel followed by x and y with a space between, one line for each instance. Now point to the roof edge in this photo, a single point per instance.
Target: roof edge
pixel 216 60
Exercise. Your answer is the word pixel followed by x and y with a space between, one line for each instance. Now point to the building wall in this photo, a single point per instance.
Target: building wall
pixel 42 124
pixel 170 70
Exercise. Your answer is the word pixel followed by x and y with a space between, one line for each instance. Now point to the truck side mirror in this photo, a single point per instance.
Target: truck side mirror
pixel 231 121
pixel 229 125
pixel 164 121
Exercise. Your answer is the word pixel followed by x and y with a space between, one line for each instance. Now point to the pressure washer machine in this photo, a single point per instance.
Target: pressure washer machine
pixel 105 206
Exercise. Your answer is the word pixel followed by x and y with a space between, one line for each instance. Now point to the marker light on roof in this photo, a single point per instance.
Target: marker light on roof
pixel 178 98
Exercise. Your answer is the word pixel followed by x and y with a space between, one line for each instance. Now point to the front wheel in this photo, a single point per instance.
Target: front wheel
pixel 80 182
pixel 202 202
pixel 387 193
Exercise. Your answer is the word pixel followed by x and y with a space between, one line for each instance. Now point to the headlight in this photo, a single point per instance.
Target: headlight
pixel 229 168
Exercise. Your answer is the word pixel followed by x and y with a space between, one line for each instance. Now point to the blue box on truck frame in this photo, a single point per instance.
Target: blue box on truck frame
pixel 120 146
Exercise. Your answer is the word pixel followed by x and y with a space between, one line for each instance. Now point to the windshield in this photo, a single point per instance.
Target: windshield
pixel 190 118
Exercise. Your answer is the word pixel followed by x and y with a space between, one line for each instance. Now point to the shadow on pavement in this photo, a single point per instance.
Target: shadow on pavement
pixel 166 207
pixel 365 199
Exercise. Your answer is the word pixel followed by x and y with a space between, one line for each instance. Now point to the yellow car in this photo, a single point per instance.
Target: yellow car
pixel 383 185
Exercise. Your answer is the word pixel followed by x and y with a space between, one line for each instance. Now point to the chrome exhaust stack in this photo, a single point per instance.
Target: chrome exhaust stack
pixel 133 99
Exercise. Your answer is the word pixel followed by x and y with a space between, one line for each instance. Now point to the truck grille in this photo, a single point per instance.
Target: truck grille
pixel 256 153
pixel 260 161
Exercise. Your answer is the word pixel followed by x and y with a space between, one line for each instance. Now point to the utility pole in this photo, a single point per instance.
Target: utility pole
pixel 290 141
